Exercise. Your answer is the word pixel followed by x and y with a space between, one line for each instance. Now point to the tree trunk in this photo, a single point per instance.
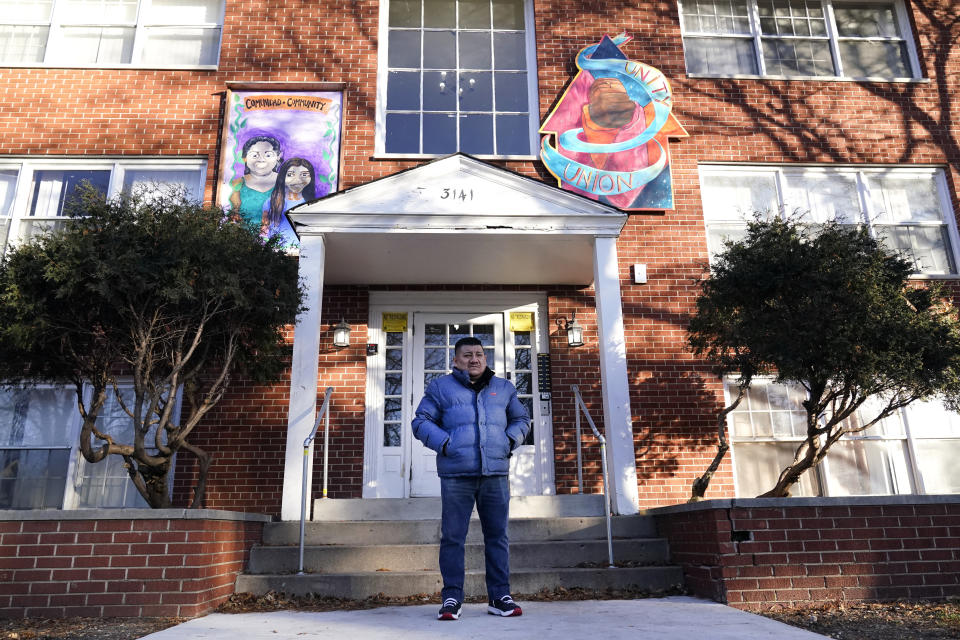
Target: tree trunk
pixel 791 475
pixel 200 490
pixel 700 484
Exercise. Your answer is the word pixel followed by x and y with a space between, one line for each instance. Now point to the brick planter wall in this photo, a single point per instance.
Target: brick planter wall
pixel 129 563
pixel 758 553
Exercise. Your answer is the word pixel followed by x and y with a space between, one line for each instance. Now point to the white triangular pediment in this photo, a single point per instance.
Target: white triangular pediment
pixel 456 192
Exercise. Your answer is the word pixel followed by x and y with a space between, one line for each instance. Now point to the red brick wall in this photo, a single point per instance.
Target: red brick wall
pixel 758 554
pixel 136 113
pixel 120 567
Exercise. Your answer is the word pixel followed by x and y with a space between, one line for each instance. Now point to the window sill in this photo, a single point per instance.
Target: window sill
pixel 715 76
pixel 131 67
pixel 430 156
pixel 935 276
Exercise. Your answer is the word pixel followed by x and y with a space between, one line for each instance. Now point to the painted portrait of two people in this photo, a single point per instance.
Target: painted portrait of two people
pixel 280 151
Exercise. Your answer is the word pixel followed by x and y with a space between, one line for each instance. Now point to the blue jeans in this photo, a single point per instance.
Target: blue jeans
pixel 492 497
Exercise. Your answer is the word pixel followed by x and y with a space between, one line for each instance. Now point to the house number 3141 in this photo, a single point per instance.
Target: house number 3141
pixel 457 194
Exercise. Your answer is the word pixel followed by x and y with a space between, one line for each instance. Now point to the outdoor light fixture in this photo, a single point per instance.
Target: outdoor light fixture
pixel 341 334
pixel 573 329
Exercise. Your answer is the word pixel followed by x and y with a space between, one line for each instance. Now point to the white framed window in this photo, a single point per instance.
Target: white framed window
pixel 457 75
pixel 907 208
pixel 855 39
pixel 41 466
pixel 154 34
pixel 33 192
pixel 912 451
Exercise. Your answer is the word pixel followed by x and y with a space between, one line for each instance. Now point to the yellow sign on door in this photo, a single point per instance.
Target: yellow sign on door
pixel 521 321
pixel 395 321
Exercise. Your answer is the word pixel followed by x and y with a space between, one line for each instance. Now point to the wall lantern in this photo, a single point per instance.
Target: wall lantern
pixel 341 334
pixel 573 329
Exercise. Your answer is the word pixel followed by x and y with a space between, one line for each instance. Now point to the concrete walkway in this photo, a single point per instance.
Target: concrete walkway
pixel 675 618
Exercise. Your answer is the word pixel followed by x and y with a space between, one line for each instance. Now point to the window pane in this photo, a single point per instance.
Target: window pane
pixel 439 91
pixel 106 485
pixel 511 91
pixel 513 135
pixel 392 409
pixel 726 56
pixel 736 196
pixel 33 478
pixel 508 14
pixel 878 59
pixel 440 14
pixel 391 435
pixel 758 465
pixel 867 467
pixel 20 11
pixel 476 134
pixel 476 93
pixel 938 465
pixel 798 57
pixel 435 334
pixel 394 359
pixel 393 384
pixel 435 359
pixel 403 90
pixel 37 417
pixel 52 189
pixel 156 182
pixel 8 186
pixel 439 133
pixel 404 49
pixel 474 14
pixel 904 198
pixel 166 46
pixel 184 12
pixel 22 44
pixel 524 382
pixel 867 20
pixel 100 11
pixel 4 232
pixel 394 338
pixel 791 17
pixel 403 133
pixel 404 13
pixel 826 197
pixel 475 50
pixel 439 50
pixel 716 16
pixel 98 45
pixel 927 246
pixel 718 234
pixel 931 420
pixel 509 51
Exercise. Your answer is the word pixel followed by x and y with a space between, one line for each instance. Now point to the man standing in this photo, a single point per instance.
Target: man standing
pixel 473 420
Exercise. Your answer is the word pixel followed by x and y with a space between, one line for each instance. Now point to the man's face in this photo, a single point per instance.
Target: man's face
pixel 472 359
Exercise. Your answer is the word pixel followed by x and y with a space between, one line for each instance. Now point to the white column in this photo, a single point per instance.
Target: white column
pixel 303 376
pixel 617 417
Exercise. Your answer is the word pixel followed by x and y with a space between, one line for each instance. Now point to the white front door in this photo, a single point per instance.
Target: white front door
pixel 510 354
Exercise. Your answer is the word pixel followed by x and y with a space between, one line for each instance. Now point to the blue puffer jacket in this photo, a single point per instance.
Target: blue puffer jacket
pixel 480 429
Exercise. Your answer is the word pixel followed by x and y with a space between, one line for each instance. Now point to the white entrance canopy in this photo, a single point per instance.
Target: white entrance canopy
pixel 458 220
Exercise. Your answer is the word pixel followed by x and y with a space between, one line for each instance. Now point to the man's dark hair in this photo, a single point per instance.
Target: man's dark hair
pixel 469 341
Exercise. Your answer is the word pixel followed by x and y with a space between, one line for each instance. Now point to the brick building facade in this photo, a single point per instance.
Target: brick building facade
pixel 827 106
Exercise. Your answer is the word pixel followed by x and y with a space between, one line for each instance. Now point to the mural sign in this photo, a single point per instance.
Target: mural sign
pixel 610 131
pixel 280 149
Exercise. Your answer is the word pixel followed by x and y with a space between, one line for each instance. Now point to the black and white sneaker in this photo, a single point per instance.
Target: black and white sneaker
pixel 450 610
pixel 504 606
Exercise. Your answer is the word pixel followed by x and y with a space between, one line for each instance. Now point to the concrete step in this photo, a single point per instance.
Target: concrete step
pixel 428 531
pixel 337 509
pixel 408 583
pixel 422 557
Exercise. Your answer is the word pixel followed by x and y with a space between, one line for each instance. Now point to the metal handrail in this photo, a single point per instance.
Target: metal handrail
pixel 581 406
pixel 324 413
